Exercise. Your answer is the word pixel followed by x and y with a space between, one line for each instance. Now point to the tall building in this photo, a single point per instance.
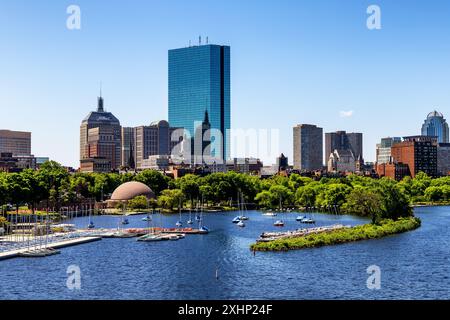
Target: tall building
pixel 107 123
pixel 341 140
pixel 436 126
pixel 308 147
pixel 100 150
pixel 199 80
pixel 128 147
pixel 443 159
pixel 419 153
pixel 153 140
pixel 17 143
pixel 383 151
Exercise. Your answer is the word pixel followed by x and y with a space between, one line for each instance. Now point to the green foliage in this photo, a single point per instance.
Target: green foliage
pixel 171 198
pixel 362 232
pixel 139 202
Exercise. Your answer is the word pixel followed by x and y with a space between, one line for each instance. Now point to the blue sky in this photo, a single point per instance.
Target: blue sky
pixel 292 62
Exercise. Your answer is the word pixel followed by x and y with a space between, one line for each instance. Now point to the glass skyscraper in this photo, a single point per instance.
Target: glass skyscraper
pixel 435 125
pixel 199 81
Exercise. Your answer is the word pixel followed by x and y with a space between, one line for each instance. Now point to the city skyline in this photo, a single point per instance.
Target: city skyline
pixel 360 80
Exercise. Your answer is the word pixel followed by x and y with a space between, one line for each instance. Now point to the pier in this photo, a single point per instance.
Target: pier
pixel 53 245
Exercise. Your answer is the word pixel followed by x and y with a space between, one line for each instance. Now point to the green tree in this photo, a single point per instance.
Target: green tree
pixel 155 180
pixel 139 202
pixel 364 202
pixel 171 198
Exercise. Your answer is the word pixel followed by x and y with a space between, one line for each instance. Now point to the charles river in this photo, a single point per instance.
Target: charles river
pixel 414 265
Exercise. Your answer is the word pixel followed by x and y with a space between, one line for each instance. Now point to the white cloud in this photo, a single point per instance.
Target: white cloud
pixel 346 114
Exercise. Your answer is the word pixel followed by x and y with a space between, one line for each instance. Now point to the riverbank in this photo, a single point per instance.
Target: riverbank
pixel 362 232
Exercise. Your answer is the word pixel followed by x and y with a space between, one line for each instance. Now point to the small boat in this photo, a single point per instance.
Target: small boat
pixel 150 237
pixel 203 230
pixel 190 221
pixel 279 223
pixel 125 221
pixel 236 220
pixel 308 220
pixel 197 218
pixel 270 214
pixel 147 218
pixel 91 225
pixel 179 223
pixel 300 218
pixel 241 224
pixel 243 218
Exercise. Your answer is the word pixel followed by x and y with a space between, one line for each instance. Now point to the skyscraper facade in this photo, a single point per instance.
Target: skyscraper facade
pixel 128 147
pixel 153 140
pixel 308 147
pixel 436 126
pixel 419 153
pixel 199 81
pixel 341 140
pixel 109 133
pixel 17 143
pixel 383 151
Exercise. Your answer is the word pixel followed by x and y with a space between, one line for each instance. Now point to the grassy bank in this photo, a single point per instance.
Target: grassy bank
pixel 362 232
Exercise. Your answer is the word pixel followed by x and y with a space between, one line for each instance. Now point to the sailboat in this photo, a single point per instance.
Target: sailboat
pixel 201 227
pixel 179 223
pixel 151 235
pixel 190 217
pixel 91 224
pixel 243 216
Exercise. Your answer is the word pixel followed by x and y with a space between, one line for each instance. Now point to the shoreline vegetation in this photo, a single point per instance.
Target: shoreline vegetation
pixel 382 229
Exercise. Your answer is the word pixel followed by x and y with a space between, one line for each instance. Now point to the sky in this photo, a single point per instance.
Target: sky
pixel 292 61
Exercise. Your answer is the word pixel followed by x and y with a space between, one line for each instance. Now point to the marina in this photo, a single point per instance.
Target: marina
pixel 124 268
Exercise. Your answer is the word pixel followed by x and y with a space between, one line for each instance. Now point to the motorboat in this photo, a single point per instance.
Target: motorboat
pixel 308 221
pixel 279 223
pixel 241 224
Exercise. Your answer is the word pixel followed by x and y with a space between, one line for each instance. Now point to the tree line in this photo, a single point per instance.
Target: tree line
pixel 53 186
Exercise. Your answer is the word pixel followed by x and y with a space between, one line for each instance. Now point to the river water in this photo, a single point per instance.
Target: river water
pixel 414 265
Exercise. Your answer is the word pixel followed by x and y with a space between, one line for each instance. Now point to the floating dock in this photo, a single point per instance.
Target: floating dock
pixel 54 245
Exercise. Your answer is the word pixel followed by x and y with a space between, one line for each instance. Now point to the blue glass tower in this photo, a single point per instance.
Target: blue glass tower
pixel 199 81
pixel 435 125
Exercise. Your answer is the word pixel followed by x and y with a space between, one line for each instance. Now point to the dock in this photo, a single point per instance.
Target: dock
pixel 54 245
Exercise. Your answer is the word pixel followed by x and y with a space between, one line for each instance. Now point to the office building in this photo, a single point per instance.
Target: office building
pixel 199 81
pixel 419 153
pixel 100 150
pixel 308 147
pixel 436 126
pixel 383 151
pixel 153 140
pixel 443 159
pixel 341 140
pixel 17 143
pixel 128 148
